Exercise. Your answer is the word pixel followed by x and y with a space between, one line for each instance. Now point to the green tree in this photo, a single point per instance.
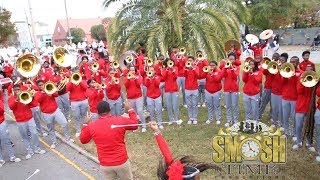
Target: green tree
pixel 161 25
pixel 306 13
pixel 7 29
pixel 78 34
pixel 98 32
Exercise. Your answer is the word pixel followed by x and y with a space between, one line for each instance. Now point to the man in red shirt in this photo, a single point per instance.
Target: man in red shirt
pixel 317 122
pixel 303 65
pixel 95 95
pixel 111 147
pixel 51 113
pixel 25 122
pixel 113 92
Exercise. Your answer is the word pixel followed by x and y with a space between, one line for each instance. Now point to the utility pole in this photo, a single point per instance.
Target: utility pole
pixel 69 33
pixel 35 41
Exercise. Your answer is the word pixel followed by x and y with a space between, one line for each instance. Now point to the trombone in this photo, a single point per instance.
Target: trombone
pixel 170 64
pixel 188 64
pixel 150 73
pixel 76 78
pixel 199 56
pixel 130 75
pixel 309 79
pixel 115 80
pixel 115 65
pixel 206 69
pixel 287 70
pixel 228 64
pixel 182 50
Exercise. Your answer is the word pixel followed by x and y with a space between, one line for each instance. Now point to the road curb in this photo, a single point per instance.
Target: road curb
pixel 76 147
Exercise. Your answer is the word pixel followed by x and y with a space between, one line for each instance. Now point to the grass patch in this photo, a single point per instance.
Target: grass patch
pixel 196 140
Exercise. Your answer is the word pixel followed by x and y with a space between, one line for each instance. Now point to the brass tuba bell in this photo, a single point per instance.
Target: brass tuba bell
pixel 28 65
pixel 62 57
pixel 273 67
pixel 265 62
pixel 50 88
pixel 287 70
pixel 76 78
pixel 309 79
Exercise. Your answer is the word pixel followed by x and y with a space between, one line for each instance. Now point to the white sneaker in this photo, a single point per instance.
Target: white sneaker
pixel 77 135
pixel 44 134
pixel 162 109
pixel 189 122
pixel 161 127
pixel 208 121
pixel 179 122
pixel 204 105
pixel 2 162
pixel 40 151
pixel 199 105
pixel 296 146
pixel 28 156
pixel 310 148
pixel 294 139
pixel 15 159
pixel 69 120
pixel 185 106
pixel 70 141
pixel 53 146
pixel 318 158
pixel 218 122
pixel 143 130
pixel 195 122
pixel 226 124
pixel 281 129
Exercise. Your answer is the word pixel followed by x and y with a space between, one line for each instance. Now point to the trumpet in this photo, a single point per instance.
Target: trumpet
pixel 25 97
pixel 273 67
pixel 170 63
pixel 149 62
pixel 182 50
pixel 115 80
pixel 95 66
pixel 247 68
pixel 129 59
pixel 309 79
pixel 150 73
pixel 287 70
pixel 206 69
pixel 265 63
pixel 115 65
pixel 228 64
pixel 188 64
pixel 101 86
pixel 76 78
pixel 50 88
pixel 199 56
pixel 130 75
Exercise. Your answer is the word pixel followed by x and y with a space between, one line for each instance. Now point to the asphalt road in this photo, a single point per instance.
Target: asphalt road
pixel 69 164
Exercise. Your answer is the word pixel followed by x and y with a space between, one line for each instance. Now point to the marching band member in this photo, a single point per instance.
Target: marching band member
pixel 133 83
pixel 5 139
pixel 46 69
pixel 289 98
pixel 317 122
pixel 95 95
pixel 104 63
pixel 251 90
pixel 276 95
pixel 181 61
pixel 170 75
pixel 201 62
pixel 302 108
pixel 7 69
pixel 97 75
pixel 192 73
pixel 25 122
pixel 154 103
pixel 177 169
pixel 51 113
pixel 113 92
pixel 231 89
pixel 158 67
pixel 110 143
pixel 303 65
pixel 213 92
pixel 63 98
pixel 266 95
pixel 258 48
pixel 79 102
pixel 85 68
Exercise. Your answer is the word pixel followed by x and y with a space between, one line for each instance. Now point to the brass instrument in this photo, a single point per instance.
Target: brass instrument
pixel 76 78
pixel 309 79
pixel 170 64
pixel 188 64
pixel 200 56
pixel 115 80
pixel 95 66
pixel 25 97
pixel 149 62
pixel 130 75
pixel 273 67
pixel 62 84
pixel 228 64
pixel 115 65
pixel 150 73
pixel 265 62
pixel 287 70
pixel 103 85
pixel 100 86
pixel 28 65
pixel 182 50
pixel 129 59
pixel 62 57
pixel 206 69
pixel 50 88
pixel 246 68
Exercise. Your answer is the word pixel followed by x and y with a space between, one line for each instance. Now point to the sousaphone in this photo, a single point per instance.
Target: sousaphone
pixel 266 34
pixel 28 65
pixel 252 39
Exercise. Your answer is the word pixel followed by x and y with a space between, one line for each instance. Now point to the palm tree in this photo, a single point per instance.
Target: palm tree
pixel 195 24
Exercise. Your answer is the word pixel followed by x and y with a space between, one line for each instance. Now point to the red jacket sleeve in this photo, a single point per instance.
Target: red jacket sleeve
pixel 245 77
pixel 258 78
pixel 318 91
pixel 85 135
pixel 12 103
pixel 164 148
